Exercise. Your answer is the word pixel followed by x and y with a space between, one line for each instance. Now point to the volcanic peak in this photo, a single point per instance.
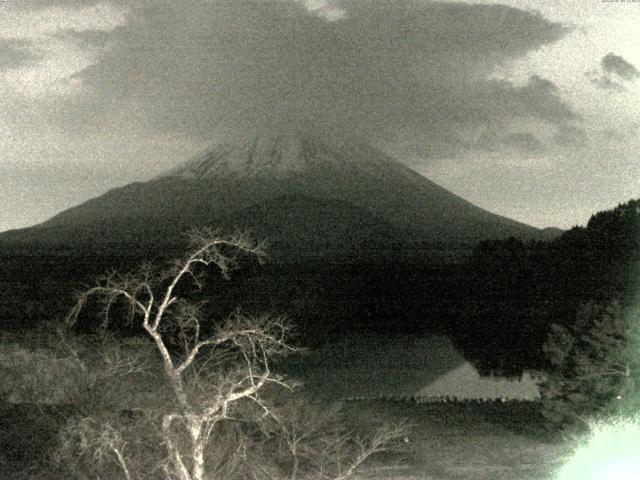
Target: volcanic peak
pixel 279 156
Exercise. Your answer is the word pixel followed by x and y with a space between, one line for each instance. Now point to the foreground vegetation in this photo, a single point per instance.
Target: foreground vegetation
pixel 447 442
pixel 213 406
pixel 143 380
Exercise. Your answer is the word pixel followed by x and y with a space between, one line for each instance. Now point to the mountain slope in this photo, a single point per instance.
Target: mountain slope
pixel 355 173
pixel 293 186
pixel 291 224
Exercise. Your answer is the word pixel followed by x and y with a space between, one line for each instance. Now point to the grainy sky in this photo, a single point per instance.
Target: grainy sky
pixel 530 109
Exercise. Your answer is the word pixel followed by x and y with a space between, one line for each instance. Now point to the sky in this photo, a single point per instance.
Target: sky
pixel 529 109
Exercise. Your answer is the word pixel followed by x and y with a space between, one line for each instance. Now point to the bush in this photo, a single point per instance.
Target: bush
pixel 37 376
pixel 80 370
pixel 595 365
pixel 109 444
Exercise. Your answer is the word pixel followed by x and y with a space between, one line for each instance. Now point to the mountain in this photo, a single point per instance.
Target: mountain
pixel 299 191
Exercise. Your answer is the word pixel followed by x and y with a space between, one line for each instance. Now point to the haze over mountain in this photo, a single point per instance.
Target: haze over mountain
pixel 298 190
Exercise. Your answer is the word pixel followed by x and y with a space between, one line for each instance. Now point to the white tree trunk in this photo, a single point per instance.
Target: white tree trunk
pixel 197 452
pixel 179 467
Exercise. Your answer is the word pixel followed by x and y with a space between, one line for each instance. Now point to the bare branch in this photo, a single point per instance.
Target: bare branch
pixel 246 332
pixel 213 375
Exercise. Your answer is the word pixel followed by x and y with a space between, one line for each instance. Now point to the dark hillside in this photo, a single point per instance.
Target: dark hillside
pixel 519 288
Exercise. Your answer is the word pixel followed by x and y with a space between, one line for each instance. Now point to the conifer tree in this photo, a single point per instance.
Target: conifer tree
pixel 595 365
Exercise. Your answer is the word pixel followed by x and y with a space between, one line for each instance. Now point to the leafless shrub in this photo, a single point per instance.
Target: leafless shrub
pixel 316 442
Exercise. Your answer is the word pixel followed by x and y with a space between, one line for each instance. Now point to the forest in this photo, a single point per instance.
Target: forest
pixel 497 304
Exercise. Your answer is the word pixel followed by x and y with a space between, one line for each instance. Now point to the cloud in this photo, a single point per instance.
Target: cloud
pixel 614 72
pixel 402 69
pixel 46 20
pixel 494 140
pixel 44 45
pixel 15 53
pixel 99 39
pixel 325 9
pixel 523 141
pixel 616 64
pixel 605 82
pixel 614 136
pixel 539 98
pixel 570 136
pixel 494 115
pixel 30 5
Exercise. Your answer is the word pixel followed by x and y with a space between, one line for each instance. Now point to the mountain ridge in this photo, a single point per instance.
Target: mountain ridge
pixel 223 186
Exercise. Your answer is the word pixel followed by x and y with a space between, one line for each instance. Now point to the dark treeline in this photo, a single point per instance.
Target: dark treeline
pixel 519 289
pixel 38 289
pixel 497 306
pixel 323 299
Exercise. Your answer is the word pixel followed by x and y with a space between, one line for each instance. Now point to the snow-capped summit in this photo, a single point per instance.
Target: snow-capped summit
pixel 279 156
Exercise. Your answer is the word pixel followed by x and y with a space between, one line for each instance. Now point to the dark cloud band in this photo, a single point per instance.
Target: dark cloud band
pixel 227 66
pixel 15 53
pixel 612 63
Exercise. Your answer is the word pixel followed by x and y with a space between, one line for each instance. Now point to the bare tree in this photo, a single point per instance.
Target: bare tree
pixel 212 370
